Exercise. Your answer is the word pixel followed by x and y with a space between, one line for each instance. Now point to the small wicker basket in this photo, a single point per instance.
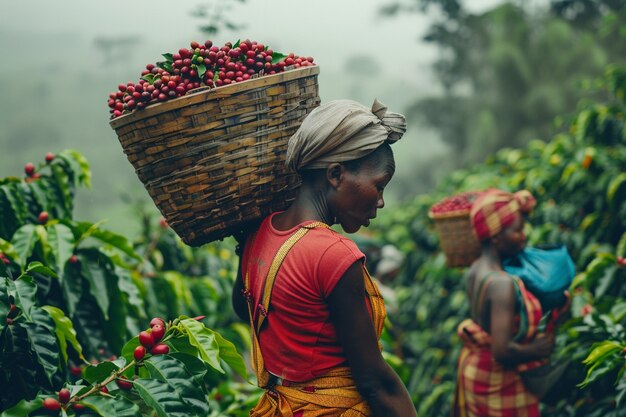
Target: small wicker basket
pixel 456 235
pixel 213 160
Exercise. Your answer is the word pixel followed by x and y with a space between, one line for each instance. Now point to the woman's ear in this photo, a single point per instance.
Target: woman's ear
pixel 334 174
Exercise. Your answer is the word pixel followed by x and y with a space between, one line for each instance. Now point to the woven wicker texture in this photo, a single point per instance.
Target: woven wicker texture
pixel 213 160
pixel 457 238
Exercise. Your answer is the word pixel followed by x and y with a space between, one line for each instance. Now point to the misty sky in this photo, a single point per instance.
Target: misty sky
pixel 54 70
pixel 326 29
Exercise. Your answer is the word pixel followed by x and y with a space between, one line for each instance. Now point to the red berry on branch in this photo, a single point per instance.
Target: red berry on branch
pixel 43 217
pixel 64 396
pixel 139 353
pixel 51 404
pixel 146 339
pixel 29 169
pixel 124 384
pixel 78 406
pixel 158 332
pixel 104 389
pixel 160 349
pixel 49 157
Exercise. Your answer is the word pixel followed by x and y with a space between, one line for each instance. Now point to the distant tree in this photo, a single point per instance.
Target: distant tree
pixel 508 72
pixel 217 16
pixel 116 48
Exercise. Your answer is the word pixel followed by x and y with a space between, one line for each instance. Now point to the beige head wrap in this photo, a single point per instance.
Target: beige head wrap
pixel 342 130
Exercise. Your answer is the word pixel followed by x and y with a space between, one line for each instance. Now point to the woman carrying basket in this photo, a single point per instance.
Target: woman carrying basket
pixel 501 340
pixel 315 313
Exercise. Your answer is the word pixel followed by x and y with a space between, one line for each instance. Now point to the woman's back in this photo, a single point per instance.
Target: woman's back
pixel 298 330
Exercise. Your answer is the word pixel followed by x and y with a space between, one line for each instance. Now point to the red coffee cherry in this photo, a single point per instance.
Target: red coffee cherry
pixel 51 404
pixel 49 157
pixel 157 320
pixel 64 396
pixel 139 353
pixel 146 339
pixel 160 349
pixel 124 384
pixel 29 169
pixel 157 332
pixel 43 217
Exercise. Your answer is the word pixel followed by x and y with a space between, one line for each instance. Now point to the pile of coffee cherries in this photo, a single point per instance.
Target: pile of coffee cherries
pixel 201 65
pixel 461 202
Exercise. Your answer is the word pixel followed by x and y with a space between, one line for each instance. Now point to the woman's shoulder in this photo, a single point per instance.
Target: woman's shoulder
pixel 327 237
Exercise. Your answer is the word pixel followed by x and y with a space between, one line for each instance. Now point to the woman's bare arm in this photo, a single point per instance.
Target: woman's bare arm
pixel 379 385
pixel 501 301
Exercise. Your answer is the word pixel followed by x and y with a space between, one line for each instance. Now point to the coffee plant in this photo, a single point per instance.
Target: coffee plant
pixel 75 300
pixel 578 179
pixel 200 65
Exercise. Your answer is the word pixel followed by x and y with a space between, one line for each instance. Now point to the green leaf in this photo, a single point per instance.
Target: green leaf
pixel 61 241
pixel 168 57
pixel 23 242
pixel 23 408
pixel 65 331
pixel 129 349
pixel 115 240
pixel 44 346
pixel 117 406
pixel 175 373
pixel 129 289
pixel 99 372
pixel 79 164
pixel 620 251
pixel 600 351
pixel 15 200
pixel 40 268
pixel 277 57
pixel 149 78
pixel 601 368
pixel 25 294
pixel 616 187
pixel 64 189
pixel 8 249
pixel 201 69
pixel 161 397
pixel 606 280
pixel 38 193
pixel 72 286
pixel 194 365
pixel 213 347
pixel 95 274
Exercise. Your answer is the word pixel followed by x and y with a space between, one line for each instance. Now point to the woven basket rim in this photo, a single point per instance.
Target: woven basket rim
pixel 448 214
pixel 226 90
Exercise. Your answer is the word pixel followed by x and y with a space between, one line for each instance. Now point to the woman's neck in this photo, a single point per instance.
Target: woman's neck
pixel 310 204
pixel 491 257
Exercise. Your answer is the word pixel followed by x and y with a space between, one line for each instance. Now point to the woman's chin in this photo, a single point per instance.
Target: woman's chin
pixel 351 228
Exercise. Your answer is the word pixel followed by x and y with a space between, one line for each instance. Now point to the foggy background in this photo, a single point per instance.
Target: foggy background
pixel 61 59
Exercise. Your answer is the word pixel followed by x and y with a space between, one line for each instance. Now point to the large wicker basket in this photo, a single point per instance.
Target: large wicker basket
pixel 213 160
pixel 456 236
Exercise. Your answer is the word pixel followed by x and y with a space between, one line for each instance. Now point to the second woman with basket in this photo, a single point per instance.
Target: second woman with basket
pixel 316 315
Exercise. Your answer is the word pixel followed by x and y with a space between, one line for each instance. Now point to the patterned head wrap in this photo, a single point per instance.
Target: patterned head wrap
pixel 494 210
pixel 342 130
